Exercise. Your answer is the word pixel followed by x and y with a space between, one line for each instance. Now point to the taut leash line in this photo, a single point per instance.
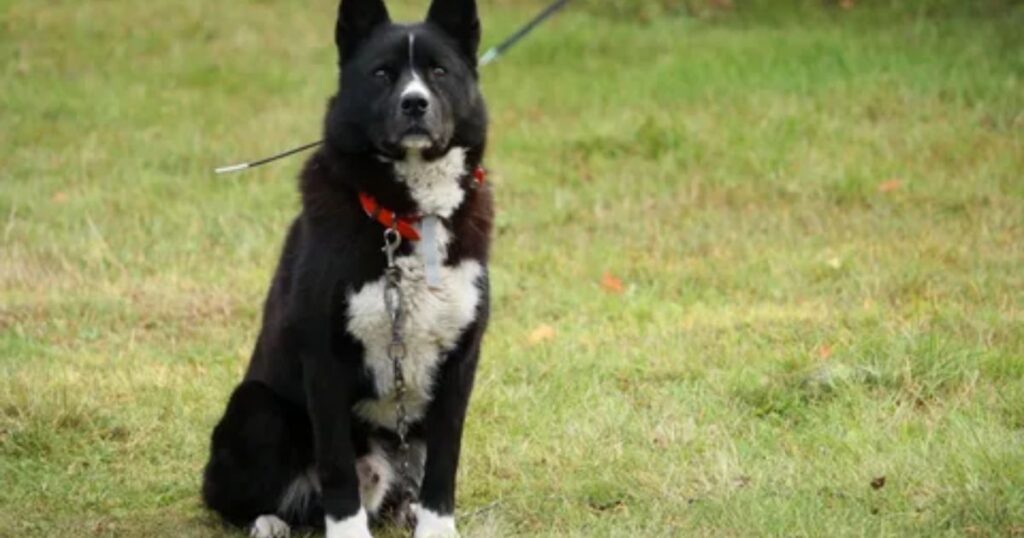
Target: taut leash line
pixel 245 166
pixel 496 51
pixel 491 55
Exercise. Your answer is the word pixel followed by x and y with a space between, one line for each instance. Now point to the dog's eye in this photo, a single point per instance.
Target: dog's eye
pixel 382 74
pixel 439 71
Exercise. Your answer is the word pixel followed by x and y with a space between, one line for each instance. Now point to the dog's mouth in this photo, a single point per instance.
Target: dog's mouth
pixel 416 138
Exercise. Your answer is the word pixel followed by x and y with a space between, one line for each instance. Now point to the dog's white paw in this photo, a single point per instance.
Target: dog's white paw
pixel 269 526
pixel 432 525
pixel 356 526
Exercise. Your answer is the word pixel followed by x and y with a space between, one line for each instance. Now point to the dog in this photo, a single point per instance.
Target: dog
pixel 309 436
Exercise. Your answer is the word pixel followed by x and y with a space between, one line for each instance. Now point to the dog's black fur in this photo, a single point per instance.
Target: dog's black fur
pixel 292 416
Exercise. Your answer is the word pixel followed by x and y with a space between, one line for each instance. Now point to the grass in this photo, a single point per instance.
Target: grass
pixel 817 219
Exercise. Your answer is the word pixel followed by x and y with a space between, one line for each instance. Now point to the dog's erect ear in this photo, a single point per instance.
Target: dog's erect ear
pixel 458 19
pixel 357 19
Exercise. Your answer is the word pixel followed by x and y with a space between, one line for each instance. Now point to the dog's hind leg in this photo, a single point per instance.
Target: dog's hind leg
pixel 260 456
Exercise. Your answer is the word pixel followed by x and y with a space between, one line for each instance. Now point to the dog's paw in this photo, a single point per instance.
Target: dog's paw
pixel 432 525
pixel 269 526
pixel 356 526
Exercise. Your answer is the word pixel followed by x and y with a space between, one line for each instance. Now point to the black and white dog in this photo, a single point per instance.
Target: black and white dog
pixel 308 437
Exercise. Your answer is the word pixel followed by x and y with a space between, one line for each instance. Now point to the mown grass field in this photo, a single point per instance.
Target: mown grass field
pixel 759 273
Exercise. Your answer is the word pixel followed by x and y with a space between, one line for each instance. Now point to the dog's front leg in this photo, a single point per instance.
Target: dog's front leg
pixel 435 515
pixel 330 375
pixel 329 389
pixel 330 383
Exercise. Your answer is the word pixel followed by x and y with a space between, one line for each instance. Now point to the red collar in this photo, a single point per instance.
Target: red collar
pixel 406 225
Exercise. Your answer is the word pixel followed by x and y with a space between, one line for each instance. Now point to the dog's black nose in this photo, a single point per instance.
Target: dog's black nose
pixel 415 105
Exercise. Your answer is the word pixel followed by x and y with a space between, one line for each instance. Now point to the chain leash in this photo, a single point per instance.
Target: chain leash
pixel 397 351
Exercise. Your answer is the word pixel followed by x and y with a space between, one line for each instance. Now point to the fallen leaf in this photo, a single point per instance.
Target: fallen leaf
pixel 612 284
pixel 541 334
pixel 889 186
pixel 60 197
pixel 824 351
pixel 846 4
pixel 878 483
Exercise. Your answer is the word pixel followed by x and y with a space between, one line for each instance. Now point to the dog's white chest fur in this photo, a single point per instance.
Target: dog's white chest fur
pixel 434 184
pixel 433 317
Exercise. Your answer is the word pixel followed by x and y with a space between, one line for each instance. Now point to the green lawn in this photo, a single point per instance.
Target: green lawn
pixel 817 219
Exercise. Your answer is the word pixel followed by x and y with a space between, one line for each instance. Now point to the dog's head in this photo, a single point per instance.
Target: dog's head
pixel 407 87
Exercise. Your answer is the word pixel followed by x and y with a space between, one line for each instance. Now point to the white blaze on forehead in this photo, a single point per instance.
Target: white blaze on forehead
pixel 415 85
